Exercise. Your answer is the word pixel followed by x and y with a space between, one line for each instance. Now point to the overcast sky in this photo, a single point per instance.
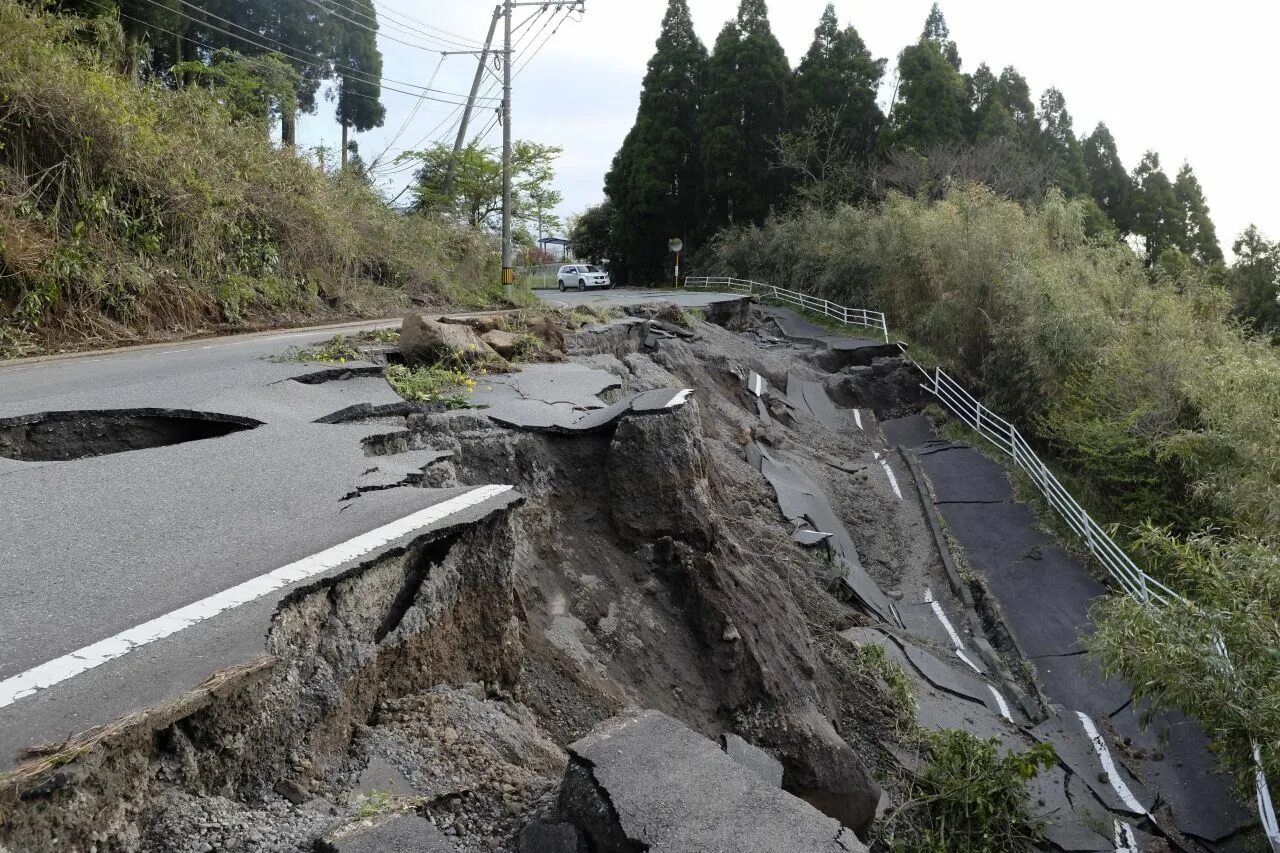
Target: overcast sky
pixel 1195 82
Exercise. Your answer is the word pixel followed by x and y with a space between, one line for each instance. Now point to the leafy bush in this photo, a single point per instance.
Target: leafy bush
pixel 129 210
pixel 968 798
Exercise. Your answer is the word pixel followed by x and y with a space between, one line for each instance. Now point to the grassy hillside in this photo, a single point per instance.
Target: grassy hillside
pixel 132 211
pixel 1163 410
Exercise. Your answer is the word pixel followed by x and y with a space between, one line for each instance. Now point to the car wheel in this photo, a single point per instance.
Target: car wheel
pixel 582 284
pixel 562 285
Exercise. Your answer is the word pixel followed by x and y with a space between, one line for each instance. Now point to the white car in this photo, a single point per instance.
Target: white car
pixel 582 276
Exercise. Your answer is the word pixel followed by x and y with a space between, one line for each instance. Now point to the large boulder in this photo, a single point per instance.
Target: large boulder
pixel 505 344
pixel 427 341
pixel 644 781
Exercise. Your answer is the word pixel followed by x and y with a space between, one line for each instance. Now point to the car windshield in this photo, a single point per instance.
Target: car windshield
pixel 594 269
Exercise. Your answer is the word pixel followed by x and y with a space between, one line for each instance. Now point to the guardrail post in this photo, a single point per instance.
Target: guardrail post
pixel 978 418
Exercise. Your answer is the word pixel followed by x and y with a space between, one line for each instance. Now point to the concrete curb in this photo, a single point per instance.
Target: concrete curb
pixel 961 589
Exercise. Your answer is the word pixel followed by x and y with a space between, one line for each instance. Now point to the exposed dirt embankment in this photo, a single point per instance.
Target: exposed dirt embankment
pixel 648 566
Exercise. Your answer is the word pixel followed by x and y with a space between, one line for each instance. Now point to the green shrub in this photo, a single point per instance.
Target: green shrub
pixel 129 210
pixel 968 798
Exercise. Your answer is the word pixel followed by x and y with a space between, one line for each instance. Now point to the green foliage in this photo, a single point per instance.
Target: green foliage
pixel 1254 281
pixel 591 234
pixel 933 100
pixel 476 195
pixel 968 798
pixel 839 78
pixel 654 185
pixel 746 109
pixel 1059 146
pixel 1108 179
pixel 358 65
pixel 337 350
pixel 253 89
pixel 1198 237
pixel 438 383
pixel 131 209
pixel 870 659
pixel 1236 581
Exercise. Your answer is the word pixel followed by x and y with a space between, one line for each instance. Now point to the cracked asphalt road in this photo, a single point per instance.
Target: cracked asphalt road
pixel 92 550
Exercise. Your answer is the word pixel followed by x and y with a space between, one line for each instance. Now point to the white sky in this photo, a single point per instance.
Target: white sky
pixel 1195 82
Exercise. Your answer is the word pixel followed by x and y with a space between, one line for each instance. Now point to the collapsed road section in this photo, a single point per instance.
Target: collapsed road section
pixel 667 588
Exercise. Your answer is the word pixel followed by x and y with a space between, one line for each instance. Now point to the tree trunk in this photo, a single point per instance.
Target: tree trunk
pixel 288 124
pixel 178 76
pixel 344 145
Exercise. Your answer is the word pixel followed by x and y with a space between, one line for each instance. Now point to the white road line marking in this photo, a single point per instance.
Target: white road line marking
pixel 857 418
pixel 70 665
pixel 1004 707
pixel 964 657
pixel 1125 840
pixel 1109 766
pixel 942 617
pixel 893 481
pixel 678 399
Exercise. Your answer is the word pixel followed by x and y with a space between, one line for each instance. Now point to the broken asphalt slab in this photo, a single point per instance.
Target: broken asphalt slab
pixel 807 395
pixel 1173 757
pixel 910 431
pixel 645 781
pixel 964 475
pixel 540 417
pixel 1080 745
pixel 802 501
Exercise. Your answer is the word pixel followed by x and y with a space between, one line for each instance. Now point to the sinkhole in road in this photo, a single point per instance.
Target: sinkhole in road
pixel 64 436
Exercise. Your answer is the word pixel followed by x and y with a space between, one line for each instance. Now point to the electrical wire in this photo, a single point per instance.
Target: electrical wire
pixel 417 106
pixel 391 22
pixel 319 5
pixel 425 25
pixel 288 52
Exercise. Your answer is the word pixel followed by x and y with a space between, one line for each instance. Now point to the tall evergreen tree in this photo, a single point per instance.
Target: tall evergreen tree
pixel 1002 108
pixel 1254 281
pixel 1199 237
pixel 839 77
pixel 1157 216
pixel 654 185
pixel 748 94
pixel 358 65
pixel 932 108
pixel 1110 184
pixel 1059 146
pixel 937 31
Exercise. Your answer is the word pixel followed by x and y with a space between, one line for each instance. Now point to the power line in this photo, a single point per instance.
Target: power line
pixel 539 48
pixel 320 5
pixel 424 24
pixel 289 52
pixel 394 24
pixel 412 112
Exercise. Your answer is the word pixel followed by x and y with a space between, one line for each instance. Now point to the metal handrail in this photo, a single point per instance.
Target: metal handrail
pixel 850 316
pixel 1136 583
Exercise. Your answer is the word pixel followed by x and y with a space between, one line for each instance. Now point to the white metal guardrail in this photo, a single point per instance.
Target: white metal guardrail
pixel 1134 581
pixel 852 316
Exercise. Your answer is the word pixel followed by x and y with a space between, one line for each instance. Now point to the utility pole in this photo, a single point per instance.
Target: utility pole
pixel 471 100
pixel 508 270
